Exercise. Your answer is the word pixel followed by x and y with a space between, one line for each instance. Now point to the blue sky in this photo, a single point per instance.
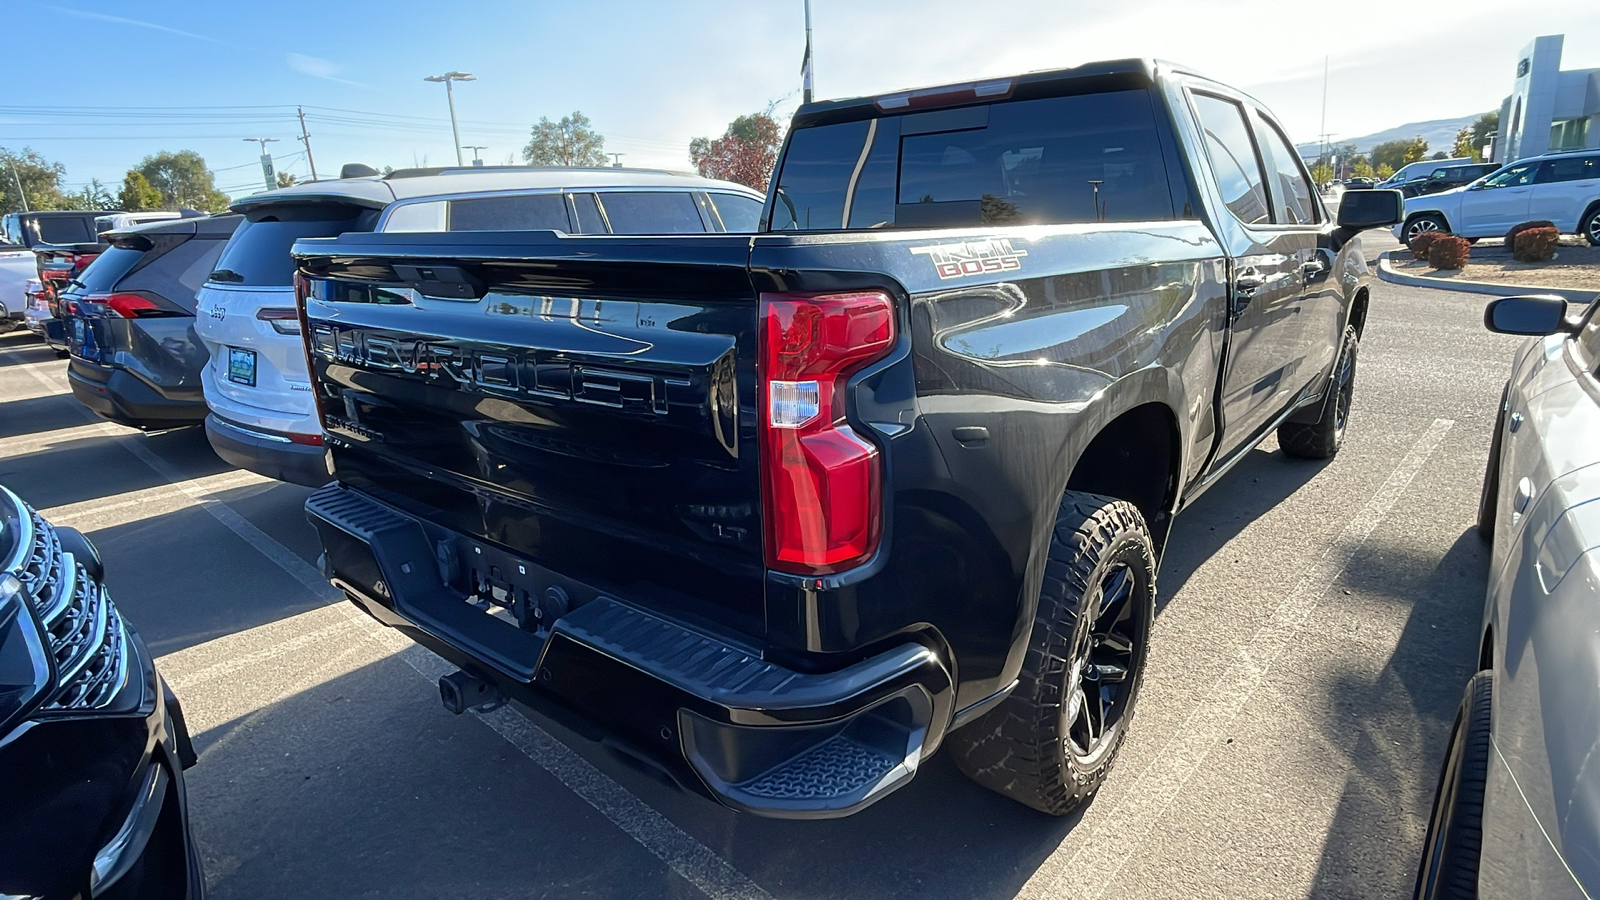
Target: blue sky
pixel 653 75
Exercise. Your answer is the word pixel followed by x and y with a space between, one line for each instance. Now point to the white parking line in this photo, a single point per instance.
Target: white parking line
pixel 152 501
pixel 45 440
pixel 690 859
pixel 1118 834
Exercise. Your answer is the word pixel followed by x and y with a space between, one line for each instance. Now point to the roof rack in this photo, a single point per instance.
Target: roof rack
pixel 468 170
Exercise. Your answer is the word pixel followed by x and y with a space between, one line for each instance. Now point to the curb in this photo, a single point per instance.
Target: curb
pixel 1386 272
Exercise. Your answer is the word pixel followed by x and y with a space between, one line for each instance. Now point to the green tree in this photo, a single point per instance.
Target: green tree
pixel 137 194
pixel 183 180
pixel 745 153
pixel 1321 173
pixel 39 177
pixel 285 179
pixel 1384 171
pixel 1464 147
pixel 93 196
pixel 1397 153
pixel 1361 167
pixel 1482 127
pixel 569 142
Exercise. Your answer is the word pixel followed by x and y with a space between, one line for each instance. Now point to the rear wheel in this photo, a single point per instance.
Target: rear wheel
pixel 1323 438
pixel 1450 852
pixel 1052 743
pixel 1590 226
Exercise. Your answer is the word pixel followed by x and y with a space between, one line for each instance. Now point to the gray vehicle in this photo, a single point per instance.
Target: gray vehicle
pixel 1518 808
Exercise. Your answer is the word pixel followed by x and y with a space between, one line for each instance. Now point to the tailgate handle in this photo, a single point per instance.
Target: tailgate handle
pixel 449 282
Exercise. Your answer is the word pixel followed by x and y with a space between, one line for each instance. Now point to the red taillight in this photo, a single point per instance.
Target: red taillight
pixel 311 440
pixel 128 306
pixel 822 504
pixel 283 319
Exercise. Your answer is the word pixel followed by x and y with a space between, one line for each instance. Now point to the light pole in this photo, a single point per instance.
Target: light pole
pixel 805 64
pixel 267 175
pixel 451 97
pixel 475 148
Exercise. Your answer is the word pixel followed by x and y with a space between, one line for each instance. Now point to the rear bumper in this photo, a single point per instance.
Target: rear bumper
pixel 708 710
pixel 267 453
pixel 116 394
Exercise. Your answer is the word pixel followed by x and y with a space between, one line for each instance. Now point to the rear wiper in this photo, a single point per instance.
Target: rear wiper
pixel 227 276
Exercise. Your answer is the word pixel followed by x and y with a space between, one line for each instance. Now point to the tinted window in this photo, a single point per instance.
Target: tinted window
pixel 1233 158
pixel 1572 168
pixel 737 212
pixel 1293 191
pixel 653 212
pixel 1589 339
pixel 108 267
pixel 526 212
pixel 1086 158
pixel 588 211
pixel 416 217
pixel 178 273
pixel 1516 175
pixel 69 230
pixel 258 253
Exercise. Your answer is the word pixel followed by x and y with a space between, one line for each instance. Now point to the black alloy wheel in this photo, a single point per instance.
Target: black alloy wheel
pixel 1323 438
pixel 1098 686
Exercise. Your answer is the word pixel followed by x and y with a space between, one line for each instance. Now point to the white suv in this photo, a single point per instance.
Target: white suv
pixel 262 414
pixel 1563 188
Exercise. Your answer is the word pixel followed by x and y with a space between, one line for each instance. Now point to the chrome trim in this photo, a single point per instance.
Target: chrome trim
pixel 250 432
pixel 118 856
pixel 383 221
pixel 23 548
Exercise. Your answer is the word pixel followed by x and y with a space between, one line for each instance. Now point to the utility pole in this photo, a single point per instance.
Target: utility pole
pixel 21 194
pixel 616 159
pixel 1324 126
pixel 475 148
pixel 305 138
pixel 805 64
pixel 269 177
pixel 450 96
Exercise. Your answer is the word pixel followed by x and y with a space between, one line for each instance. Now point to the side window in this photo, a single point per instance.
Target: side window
pixel 1512 177
pixel 1233 158
pixel 738 213
pixel 178 273
pixel 652 212
pixel 416 217
pixel 1572 168
pixel 1589 340
pixel 589 220
pixel 523 212
pixel 1293 192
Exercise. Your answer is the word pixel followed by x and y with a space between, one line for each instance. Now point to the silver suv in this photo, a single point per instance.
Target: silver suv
pixel 262 416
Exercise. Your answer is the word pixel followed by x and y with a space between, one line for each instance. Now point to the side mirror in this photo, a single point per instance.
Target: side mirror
pixel 1536 315
pixel 1374 208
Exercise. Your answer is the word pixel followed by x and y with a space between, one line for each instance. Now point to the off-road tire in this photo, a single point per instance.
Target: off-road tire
pixel 1489 499
pixel 1019 749
pixel 1450 853
pixel 1323 438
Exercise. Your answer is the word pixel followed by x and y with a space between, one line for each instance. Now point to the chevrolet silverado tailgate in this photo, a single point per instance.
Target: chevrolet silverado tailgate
pixel 584 404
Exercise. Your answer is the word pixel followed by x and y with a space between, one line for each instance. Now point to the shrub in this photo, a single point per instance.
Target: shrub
pixel 1449 252
pixel 1511 236
pixel 1419 244
pixel 1535 244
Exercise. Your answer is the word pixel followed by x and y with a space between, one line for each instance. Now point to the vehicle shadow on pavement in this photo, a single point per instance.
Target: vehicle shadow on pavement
pixel 1258 483
pixel 1393 728
pixel 96 466
pixel 20 347
pixel 35 415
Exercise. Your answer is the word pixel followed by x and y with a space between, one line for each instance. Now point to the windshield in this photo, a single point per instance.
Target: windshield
pixel 1085 158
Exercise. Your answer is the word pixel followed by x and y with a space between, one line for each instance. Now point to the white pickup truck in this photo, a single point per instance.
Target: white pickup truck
pixel 16 269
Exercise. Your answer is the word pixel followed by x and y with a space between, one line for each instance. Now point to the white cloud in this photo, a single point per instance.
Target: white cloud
pixel 119 20
pixel 317 67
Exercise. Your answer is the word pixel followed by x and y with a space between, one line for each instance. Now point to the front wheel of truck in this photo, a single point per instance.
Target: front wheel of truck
pixel 1052 742
pixel 1323 438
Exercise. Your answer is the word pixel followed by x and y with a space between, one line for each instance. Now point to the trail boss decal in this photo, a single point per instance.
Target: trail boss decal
pixel 973 257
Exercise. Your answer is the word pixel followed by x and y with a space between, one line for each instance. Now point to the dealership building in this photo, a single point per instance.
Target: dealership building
pixel 1548 110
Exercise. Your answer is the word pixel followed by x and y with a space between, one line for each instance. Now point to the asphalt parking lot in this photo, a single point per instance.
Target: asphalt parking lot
pixel 1318 623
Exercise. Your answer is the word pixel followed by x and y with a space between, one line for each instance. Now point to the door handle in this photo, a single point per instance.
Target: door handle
pixel 1248 282
pixel 1313 267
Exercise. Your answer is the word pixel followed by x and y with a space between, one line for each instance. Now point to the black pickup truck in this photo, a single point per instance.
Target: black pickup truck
pixel 781 514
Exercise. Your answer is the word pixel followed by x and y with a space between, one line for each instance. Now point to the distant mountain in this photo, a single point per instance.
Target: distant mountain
pixel 1439 133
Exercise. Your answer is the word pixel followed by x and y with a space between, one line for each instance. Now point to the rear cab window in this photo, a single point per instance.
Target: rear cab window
pixel 652 212
pixel 64 230
pixel 258 253
pixel 1086 157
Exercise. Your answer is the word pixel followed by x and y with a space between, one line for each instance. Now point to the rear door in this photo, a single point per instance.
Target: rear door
pixel 1489 208
pixel 1266 332
pixel 1564 188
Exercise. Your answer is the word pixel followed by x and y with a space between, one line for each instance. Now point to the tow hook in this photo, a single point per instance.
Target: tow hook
pixel 462 691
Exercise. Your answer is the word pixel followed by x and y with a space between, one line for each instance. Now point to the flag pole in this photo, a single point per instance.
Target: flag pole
pixel 805 67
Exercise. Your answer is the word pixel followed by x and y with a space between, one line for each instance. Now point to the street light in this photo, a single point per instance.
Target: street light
pixel 267 175
pixel 475 148
pixel 451 97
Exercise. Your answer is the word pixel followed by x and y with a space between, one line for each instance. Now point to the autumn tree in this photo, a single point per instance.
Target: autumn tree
pixel 137 194
pixel 285 179
pixel 1321 173
pixel 183 180
pixel 1361 167
pixel 569 142
pixel 1397 153
pixel 745 153
pixel 39 177
pixel 1464 147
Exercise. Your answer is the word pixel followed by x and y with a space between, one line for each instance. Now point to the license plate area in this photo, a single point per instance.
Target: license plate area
pixel 511 591
pixel 242 366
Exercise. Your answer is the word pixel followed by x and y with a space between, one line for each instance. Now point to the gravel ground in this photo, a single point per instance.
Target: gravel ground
pixel 1576 265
